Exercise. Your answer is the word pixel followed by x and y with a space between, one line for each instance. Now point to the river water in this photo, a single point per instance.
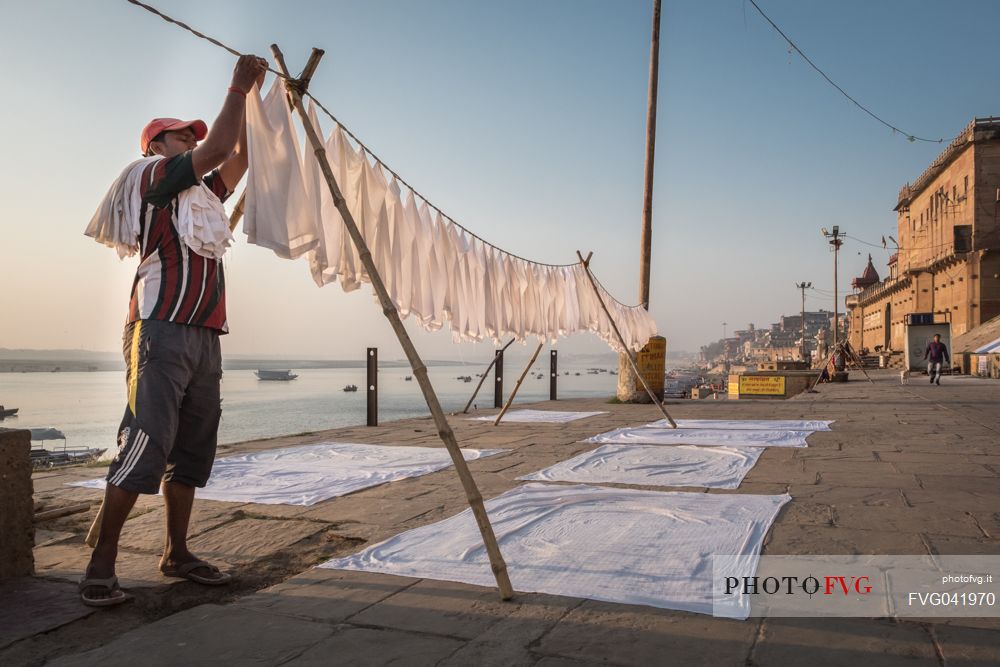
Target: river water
pixel 88 407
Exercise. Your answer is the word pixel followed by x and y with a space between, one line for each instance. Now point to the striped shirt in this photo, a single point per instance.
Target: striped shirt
pixel 173 283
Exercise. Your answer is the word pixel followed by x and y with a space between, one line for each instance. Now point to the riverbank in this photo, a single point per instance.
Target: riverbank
pixel 906 470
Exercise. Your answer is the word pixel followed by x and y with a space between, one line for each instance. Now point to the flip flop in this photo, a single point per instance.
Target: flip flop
pixel 186 571
pixel 117 595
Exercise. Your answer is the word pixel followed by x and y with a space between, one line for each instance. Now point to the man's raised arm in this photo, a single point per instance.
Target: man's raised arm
pixel 226 130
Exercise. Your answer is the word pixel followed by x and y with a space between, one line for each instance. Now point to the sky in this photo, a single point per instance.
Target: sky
pixel 524 121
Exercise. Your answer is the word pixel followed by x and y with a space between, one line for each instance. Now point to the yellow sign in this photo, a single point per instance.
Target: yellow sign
pixel 762 385
pixel 651 362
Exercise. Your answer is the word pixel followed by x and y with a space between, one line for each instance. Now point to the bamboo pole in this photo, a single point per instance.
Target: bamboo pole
pixel 47 515
pixel 296 88
pixel 95 529
pixel 517 386
pixel 237 214
pixel 482 378
pixel 621 340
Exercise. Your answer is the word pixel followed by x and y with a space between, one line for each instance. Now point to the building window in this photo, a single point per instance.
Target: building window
pixel 966 185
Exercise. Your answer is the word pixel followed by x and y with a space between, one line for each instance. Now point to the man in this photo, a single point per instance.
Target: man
pixel 936 352
pixel 176 313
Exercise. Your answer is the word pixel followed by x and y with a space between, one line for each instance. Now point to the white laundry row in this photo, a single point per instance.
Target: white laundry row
pixel 432 269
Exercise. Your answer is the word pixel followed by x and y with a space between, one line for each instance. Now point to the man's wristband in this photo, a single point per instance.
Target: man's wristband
pixel 234 89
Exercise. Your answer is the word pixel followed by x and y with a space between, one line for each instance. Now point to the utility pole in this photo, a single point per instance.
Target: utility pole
pixel 803 286
pixel 647 192
pixel 628 390
pixel 835 243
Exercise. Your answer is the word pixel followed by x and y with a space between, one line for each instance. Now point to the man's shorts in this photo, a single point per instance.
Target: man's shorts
pixel 171 422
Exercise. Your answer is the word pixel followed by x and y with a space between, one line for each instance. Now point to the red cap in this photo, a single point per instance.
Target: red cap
pixel 157 125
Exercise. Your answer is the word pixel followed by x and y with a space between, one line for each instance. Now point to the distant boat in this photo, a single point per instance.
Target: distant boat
pixel 464 378
pixel 408 378
pixel 351 387
pixel 8 412
pixel 53 458
pixel 279 376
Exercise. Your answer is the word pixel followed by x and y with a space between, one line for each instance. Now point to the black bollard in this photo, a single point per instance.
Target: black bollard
pixel 553 374
pixel 372 386
pixel 498 377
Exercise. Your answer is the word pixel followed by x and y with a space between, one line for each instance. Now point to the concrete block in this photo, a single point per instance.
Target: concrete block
pixel 147 532
pixel 206 635
pixel 801 539
pixel 329 596
pixel 969 647
pixel 375 647
pixel 17 509
pixel 246 540
pixel 819 642
pixel 30 606
pixel 506 644
pixel 642 636
pixel 438 607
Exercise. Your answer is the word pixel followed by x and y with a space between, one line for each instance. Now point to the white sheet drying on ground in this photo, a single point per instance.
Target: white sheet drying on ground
pixel 310 474
pixel 544 416
pixel 432 268
pixel 655 435
pixel 618 545
pixel 685 465
pixel 751 424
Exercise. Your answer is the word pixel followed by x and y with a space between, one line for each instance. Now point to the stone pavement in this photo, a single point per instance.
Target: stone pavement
pixel 907 470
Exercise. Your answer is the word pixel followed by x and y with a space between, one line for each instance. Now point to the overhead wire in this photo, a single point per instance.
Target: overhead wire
pixel 909 136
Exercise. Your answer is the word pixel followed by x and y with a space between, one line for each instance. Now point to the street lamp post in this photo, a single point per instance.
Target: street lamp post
pixel 835 243
pixel 803 286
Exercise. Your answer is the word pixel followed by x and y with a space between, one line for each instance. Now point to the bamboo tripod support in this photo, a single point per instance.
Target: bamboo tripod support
pixel 621 340
pixel 482 378
pixel 852 358
pixel 295 89
pixel 517 386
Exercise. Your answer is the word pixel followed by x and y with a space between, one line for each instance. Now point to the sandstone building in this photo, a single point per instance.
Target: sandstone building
pixel 948 261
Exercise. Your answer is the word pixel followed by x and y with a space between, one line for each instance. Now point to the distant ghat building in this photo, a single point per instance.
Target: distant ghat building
pixel 948 261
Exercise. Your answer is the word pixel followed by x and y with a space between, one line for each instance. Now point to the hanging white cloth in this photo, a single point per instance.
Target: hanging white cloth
pixel 202 223
pixel 432 269
pixel 277 214
pixel 116 221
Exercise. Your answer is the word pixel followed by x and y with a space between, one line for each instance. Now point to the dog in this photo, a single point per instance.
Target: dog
pixel 904 376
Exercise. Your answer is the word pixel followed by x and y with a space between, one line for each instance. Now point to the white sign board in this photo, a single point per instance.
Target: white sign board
pixel 917 337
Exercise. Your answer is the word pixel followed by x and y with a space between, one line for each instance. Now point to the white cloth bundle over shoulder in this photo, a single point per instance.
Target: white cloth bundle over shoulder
pixel 202 223
pixel 432 268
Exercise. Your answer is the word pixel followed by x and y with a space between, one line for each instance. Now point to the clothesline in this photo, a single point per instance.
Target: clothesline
pixel 556 308
pixel 364 147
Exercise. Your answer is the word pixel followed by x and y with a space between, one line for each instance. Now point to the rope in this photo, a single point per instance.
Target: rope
pixel 194 32
pixel 353 136
pixel 793 45
pixel 416 192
